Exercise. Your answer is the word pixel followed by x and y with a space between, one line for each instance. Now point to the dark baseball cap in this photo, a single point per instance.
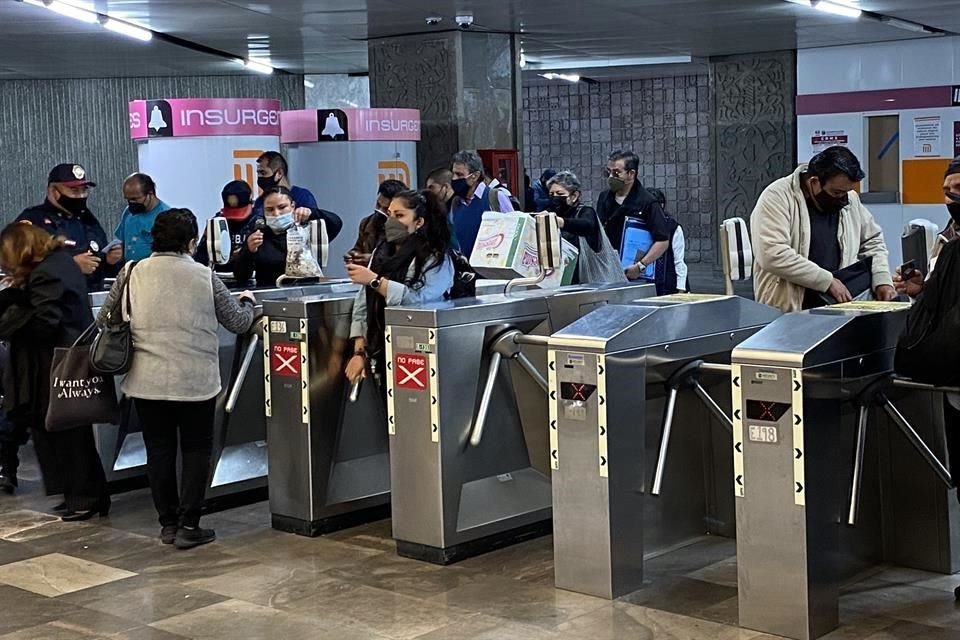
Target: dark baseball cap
pixel 238 188
pixel 71 175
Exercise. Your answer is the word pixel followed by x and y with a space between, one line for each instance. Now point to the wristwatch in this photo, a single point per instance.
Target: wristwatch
pixel 375 283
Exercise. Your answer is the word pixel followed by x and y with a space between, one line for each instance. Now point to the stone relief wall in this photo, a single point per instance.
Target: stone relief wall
pixel 665 121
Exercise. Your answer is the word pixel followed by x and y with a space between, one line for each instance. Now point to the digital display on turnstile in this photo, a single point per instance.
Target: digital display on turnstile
pixel 576 391
pixel 766 411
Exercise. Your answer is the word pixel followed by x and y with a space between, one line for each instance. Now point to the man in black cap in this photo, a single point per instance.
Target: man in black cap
pixel 64 213
pixel 237 209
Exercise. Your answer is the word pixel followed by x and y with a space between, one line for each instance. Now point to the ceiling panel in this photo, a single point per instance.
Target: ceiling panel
pixel 329 36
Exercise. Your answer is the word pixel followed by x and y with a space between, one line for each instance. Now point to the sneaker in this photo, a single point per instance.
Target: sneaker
pixel 168 534
pixel 190 537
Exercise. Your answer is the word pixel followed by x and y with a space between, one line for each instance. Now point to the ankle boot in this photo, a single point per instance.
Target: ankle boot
pixel 9 462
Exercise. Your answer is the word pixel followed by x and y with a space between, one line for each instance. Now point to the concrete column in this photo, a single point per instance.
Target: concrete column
pixel 465 84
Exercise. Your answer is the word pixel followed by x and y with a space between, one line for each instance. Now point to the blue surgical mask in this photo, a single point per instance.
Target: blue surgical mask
pixel 280 223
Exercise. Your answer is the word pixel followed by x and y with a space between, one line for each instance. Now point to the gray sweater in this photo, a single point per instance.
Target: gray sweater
pixel 176 305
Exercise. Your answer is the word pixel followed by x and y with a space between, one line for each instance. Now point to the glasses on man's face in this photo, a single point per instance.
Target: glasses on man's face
pixel 615 173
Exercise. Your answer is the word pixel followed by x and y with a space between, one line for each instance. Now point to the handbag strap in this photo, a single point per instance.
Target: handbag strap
pixel 123 299
pixel 87 334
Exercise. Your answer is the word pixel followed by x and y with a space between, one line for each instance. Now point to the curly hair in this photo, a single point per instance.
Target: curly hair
pixel 22 247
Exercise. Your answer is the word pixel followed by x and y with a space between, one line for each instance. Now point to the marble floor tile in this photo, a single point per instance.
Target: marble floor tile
pixel 298 552
pixel 917 578
pixel 519 601
pixel 375 535
pixel 56 574
pixel 235 619
pixel 903 602
pixel 144 633
pixel 529 561
pixel 913 631
pixel 390 572
pixel 622 620
pixel 143 599
pixel 264 585
pixel 484 627
pixel 21 609
pixel 723 573
pixel 700 553
pixel 94 543
pixel 13 552
pixel 680 595
pixel 375 611
pixel 80 625
pixel 14 522
pixel 165 561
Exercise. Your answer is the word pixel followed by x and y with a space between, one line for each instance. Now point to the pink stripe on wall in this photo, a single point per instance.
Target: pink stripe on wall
pixel 883 100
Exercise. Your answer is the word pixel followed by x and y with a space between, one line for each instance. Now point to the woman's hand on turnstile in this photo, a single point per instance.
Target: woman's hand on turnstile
pixel 912 284
pixel 356 368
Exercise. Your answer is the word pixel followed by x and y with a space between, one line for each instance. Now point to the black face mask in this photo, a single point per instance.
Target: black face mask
pixel 136 207
pixel 267 182
pixel 954 207
pixel 75 206
pixel 829 204
pixel 460 187
pixel 558 204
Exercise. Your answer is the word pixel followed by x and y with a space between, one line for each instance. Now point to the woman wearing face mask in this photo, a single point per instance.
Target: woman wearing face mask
pixel 265 251
pixel 580 226
pixel 411 266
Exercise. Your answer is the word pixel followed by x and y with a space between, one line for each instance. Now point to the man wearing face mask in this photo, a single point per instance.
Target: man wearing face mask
pixel 370 233
pixel 64 213
pixel 136 221
pixel 273 171
pixel 928 349
pixel 474 199
pixel 237 209
pixel 809 225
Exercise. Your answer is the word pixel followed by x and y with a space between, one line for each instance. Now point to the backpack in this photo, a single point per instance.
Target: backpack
pixel 464 278
pixel 493 196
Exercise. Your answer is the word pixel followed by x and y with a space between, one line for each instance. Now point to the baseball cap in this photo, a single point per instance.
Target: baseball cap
pixel 71 175
pixel 242 192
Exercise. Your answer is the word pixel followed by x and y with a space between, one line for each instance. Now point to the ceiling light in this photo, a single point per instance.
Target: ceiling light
pixel 560 76
pixel 64 9
pixel 308 84
pixel 127 29
pixel 836 9
pixel 905 25
pixel 259 67
pixel 560 64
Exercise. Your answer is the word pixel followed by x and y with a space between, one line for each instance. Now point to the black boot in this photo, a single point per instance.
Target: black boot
pixel 9 461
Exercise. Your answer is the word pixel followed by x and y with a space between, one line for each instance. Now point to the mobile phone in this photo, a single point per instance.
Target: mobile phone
pixel 907 269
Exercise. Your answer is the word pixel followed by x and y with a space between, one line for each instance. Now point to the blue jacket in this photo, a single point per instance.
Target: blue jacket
pixel 301 198
pixel 135 231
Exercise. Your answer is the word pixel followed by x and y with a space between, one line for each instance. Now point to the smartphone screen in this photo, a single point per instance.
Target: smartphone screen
pixel 637 241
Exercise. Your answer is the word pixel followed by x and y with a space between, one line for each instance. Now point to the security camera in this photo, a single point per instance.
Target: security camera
pixel 464 22
pixel 433 21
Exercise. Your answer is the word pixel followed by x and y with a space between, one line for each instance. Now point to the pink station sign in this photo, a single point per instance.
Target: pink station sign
pixel 191 117
pixel 339 125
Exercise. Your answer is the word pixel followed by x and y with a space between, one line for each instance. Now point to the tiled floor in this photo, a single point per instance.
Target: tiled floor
pixel 112 579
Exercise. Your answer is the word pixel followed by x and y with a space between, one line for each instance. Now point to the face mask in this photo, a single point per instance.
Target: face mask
pixel 267 182
pixel 460 187
pixel 280 223
pixel 829 204
pixel 71 204
pixel 137 207
pixel 558 204
pixel 395 231
pixel 954 209
pixel 615 183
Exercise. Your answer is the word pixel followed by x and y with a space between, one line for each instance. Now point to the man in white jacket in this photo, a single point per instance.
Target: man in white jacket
pixel 811 224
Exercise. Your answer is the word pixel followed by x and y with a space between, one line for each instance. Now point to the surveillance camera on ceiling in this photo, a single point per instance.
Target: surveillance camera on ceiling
pixel 465 21
pixel 434 20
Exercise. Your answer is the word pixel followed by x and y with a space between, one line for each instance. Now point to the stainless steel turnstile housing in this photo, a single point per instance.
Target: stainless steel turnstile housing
pixel 622 380
pixel 329 457
pixel 816 453
pixel 459 490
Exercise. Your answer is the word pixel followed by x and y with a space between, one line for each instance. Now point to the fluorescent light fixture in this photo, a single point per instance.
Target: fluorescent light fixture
pixel 130 30
pixel 36 3
pixel 562 64
pixel 308 84
pixel 560 76
pixel 70 11
pixel 259 67
pixel 904 24
pixel 837 9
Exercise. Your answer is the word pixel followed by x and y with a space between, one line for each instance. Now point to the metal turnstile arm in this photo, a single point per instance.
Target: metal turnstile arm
pixel 914 438
pixel 476 434
pixel 242 374
pixel 665 440
pixel 855 484
pixel 355 389
pixel 532 371
pixel 715 409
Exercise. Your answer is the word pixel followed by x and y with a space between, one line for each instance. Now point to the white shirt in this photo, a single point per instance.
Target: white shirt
pixel 679 245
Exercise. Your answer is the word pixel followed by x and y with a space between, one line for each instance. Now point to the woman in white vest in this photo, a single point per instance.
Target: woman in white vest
pixel 176 306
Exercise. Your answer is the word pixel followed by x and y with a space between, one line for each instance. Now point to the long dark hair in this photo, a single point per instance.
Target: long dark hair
pixel 430 241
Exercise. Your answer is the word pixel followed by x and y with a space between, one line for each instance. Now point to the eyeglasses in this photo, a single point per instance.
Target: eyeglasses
pixel 615 173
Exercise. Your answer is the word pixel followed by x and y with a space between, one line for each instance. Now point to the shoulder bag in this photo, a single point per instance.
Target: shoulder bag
pixel 111 352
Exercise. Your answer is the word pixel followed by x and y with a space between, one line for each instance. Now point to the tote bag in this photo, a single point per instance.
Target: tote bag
pixel 599 267
pixel 79 396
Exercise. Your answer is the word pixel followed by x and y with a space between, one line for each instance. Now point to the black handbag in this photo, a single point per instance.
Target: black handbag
pixel 857 278
pixel 111 352
pixel 78 395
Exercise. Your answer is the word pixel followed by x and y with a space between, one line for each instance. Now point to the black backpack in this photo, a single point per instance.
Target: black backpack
pixel 464 278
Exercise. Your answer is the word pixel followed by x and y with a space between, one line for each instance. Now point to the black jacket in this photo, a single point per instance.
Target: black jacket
pixel 270 260
pixel 581 221
pixel 83 233
pixel 638 204
pixel 51 310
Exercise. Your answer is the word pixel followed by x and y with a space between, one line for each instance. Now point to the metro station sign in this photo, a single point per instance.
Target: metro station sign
pixel 195 117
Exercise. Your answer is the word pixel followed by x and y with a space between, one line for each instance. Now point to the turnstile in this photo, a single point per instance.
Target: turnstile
pixel 329 456
pixel 239 459
pixel 833 476
pixel 628 385
pixel 469 438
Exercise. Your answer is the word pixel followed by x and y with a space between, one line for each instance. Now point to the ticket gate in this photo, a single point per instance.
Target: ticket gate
pixel 835 472
pixel 640 401
pixel 469 441
pixel 239 460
